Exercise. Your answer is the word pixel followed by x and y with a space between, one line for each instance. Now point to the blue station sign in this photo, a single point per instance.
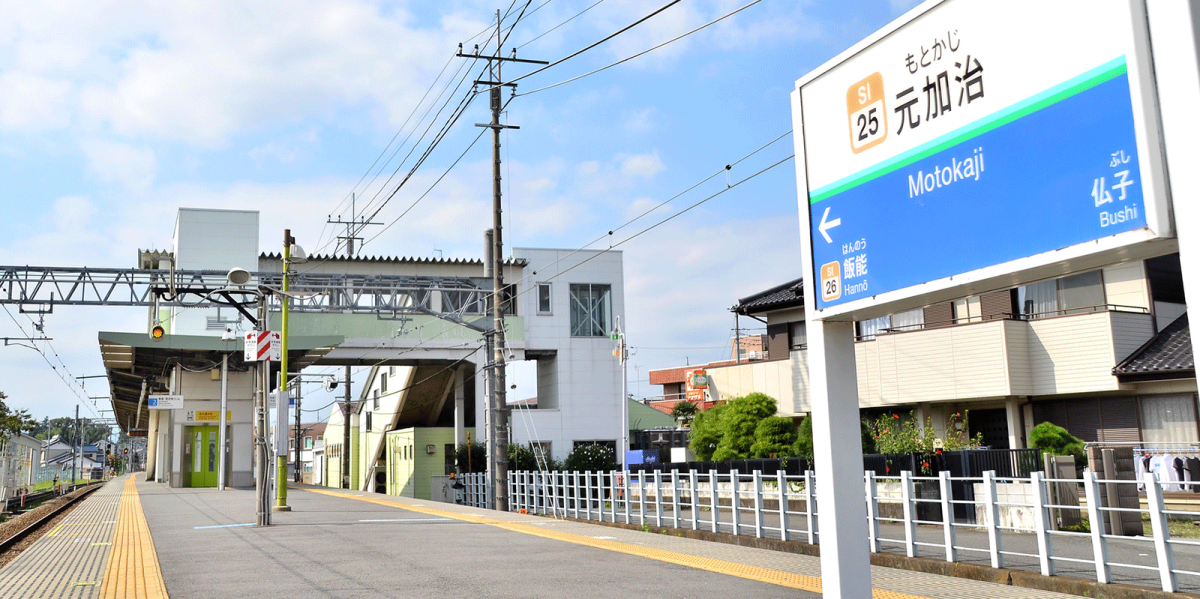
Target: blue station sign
pixel 952 152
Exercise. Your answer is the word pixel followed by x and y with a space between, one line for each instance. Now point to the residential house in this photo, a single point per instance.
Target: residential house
pixel 309 435
pixel 1105 353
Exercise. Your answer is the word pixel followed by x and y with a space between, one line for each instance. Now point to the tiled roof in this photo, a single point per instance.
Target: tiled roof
pixel 1167 355
pixel 787 295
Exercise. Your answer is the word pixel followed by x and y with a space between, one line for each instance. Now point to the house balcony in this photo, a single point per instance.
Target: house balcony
pixel 1048 354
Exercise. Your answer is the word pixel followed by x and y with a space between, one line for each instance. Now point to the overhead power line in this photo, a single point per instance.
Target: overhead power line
pixel 544 33
pixel 647 51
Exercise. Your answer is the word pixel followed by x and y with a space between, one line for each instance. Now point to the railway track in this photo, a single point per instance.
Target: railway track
pixel 13 544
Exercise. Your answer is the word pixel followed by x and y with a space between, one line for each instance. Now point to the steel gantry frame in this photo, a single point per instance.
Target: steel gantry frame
pixel 310 292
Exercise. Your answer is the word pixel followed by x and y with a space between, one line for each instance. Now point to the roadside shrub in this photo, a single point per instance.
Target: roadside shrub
pixel 1055 440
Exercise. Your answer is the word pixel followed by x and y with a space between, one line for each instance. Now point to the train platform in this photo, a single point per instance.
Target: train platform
pixel 134 539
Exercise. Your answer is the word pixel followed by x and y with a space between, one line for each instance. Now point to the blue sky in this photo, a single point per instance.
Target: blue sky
pixel 115 114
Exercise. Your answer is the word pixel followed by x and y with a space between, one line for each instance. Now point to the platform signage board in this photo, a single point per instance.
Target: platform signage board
pixel 165 402
pixel 974 139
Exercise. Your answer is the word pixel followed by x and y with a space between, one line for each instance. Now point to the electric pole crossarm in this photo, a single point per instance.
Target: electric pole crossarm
pixel 501 59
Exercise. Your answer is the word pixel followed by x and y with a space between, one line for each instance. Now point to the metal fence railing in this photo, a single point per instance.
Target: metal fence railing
pixel 1012 523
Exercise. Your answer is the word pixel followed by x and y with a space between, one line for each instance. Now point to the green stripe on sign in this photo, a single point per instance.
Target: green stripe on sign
pixel 1105 72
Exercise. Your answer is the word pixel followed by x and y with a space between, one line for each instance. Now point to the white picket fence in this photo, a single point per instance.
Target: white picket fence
pixel 1009 521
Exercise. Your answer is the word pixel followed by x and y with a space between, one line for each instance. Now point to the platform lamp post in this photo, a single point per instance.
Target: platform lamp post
pixel 622 353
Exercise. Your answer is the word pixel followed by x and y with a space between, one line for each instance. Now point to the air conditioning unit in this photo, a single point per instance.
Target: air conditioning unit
pixel 754 355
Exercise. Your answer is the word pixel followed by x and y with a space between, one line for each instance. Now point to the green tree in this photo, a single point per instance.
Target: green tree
pixel 706 432
pixel 64 428
pixel 590 457
pixel 13 422
pixel 774 437
pixel 738 423
pixel 1054 439
pixel 684 412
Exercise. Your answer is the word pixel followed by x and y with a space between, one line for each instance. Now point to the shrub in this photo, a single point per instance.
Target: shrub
pixel 738 423
pixel 1055 440
pixel 596 458
pixel 773 438
pixel 477 460
pixel 804 439
pixel 706 432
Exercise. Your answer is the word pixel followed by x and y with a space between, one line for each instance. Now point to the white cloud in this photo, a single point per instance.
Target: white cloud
pixel 641 165
pixel 114 162
pixel 680 281
pixel 284 150
pixel 203 72
pixel 31 102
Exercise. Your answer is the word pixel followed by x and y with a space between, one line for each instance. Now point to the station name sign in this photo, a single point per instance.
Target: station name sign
pixel 977 135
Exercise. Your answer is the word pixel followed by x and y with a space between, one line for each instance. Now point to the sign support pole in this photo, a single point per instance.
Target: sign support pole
pixel 833 391
pixel 1174 28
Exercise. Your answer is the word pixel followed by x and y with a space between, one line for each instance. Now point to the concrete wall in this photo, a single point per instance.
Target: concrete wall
pixel 212 240
pixel 409 465
pixel 201 393
pixel 588 376
pixel 971 362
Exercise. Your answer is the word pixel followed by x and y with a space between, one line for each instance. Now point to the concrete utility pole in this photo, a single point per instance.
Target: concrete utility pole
pixel 489 381
pixel 497 460
pixel 296 476
pixel 353 227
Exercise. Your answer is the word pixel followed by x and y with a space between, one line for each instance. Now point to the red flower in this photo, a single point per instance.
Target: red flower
pixel 958 414
pixel 896 416
pixel 939 452
pixel 925 464
pixel 886 431
pixel 887 469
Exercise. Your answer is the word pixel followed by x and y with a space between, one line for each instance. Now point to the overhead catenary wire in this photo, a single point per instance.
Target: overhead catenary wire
pixel 597 43
pixel 72 384
pixel 454 116
pixel 321 243
pixel 646 51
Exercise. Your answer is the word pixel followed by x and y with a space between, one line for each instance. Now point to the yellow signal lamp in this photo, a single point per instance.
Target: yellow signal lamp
pixel 157 332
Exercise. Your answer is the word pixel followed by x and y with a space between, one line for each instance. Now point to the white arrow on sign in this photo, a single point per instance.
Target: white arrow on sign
pixel 826 225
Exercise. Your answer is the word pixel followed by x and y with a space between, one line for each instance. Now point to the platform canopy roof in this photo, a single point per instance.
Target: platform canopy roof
pixel 130 358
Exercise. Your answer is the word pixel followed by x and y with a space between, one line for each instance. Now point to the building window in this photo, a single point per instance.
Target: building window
pixel 391 371
pixel 591 310
pixel 908 320
pixel 543 298
pixel 967 309
pixel 541 451
pixel 308 442
pixel 867 329
pixel 368 421
pixel 375 400
pixel 1083 292
pixel 1169 419
pixel 797 335
pixel 383 383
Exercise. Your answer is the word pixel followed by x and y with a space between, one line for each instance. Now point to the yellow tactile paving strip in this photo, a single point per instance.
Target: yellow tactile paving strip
pixel 740 570
pixel 132 570
pixel 68 561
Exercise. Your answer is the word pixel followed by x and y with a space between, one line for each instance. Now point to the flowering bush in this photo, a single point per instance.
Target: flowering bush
pixel 894 434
